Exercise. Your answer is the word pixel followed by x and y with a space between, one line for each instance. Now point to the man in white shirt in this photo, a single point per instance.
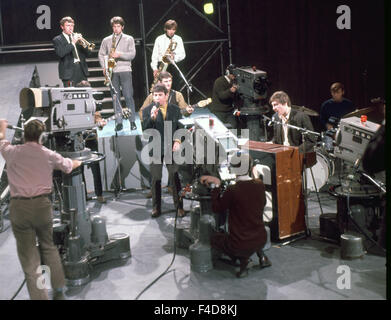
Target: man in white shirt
pixel 161 44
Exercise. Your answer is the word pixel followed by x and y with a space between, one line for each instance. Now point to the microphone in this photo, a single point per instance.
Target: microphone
pixel 14 128
pixel 155 108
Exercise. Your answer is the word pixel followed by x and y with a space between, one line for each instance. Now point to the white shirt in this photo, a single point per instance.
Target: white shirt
pixel 77 54
pixel 159 49
pixel 284 121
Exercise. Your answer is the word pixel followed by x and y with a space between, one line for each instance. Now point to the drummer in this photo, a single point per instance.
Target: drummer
pixel 332 110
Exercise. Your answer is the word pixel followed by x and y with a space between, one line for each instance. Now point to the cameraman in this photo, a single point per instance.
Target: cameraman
pixel 223 96
pixel 29 169
pixel 245 201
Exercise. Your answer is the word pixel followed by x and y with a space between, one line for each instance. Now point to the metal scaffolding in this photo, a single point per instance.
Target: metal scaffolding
pixel 215 47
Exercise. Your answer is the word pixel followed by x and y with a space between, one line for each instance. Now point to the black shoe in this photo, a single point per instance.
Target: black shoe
pixel 264 262
pixel 181 213
pixel 118 127
pixel 155 213
pixel 133 126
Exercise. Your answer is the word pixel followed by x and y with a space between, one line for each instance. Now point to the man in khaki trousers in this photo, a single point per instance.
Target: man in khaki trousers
pixel 29 169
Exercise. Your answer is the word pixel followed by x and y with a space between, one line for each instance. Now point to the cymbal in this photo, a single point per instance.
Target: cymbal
pixel 305 110
pixel 358 112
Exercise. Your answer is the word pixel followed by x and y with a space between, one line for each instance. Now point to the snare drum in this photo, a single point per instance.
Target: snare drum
pixel 322 170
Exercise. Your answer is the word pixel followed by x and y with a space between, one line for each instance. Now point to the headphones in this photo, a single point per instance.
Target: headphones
pixel 230 69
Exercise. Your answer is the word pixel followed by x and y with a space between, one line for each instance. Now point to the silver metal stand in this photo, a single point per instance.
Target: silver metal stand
pixel 116 99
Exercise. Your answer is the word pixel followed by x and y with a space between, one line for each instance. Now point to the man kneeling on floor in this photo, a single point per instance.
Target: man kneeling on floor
pixel 245 202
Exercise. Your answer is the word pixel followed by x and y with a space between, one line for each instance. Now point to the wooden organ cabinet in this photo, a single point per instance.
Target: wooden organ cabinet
pixel 281 170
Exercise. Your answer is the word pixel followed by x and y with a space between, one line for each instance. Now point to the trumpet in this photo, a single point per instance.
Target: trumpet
pixel 84 43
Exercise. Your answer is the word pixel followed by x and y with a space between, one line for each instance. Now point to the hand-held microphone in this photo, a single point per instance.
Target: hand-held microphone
pixel 154 110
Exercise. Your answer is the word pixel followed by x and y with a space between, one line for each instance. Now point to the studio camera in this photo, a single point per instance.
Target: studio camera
pixel 252 86
pixel 66 112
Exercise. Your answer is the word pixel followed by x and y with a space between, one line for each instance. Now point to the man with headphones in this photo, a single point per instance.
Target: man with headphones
pixel 29 169
pixel 223 97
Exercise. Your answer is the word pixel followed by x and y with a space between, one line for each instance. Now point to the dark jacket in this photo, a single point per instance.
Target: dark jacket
pixel 298 119
pixel 173 114
pixel 222 97
pixel 64 50
pixel 245 201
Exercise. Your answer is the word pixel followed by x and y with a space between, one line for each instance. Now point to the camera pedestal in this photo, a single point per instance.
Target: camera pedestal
pixel 83 238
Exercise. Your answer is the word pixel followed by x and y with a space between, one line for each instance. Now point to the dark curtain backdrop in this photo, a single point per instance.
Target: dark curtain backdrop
pixel 303 51
pixel 296 42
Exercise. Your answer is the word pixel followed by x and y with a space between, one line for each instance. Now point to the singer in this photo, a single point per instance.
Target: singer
pixel 154 117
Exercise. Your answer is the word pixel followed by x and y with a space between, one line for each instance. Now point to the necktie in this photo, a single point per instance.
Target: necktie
pixel 74 52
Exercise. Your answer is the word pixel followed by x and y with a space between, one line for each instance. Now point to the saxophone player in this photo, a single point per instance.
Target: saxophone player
pixel 162 42
pixel 120 47
pixel 72 67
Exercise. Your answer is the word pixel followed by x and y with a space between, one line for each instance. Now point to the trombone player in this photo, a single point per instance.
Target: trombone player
pixel 121 50
pixel 72 67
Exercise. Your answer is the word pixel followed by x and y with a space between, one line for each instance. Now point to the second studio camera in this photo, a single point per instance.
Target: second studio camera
pixel 252 87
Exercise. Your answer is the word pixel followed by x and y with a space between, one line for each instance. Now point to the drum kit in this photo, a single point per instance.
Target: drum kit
pixel 326 165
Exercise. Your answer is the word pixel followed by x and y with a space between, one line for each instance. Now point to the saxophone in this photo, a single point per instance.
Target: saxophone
pixel 165 62
pixel 111 63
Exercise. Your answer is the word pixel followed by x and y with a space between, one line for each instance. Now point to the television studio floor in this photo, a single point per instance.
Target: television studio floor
pixel 306 269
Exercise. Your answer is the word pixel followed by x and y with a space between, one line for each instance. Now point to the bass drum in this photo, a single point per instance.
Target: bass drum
pixel 322 170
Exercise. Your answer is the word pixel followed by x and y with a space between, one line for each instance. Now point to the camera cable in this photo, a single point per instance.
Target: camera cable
pixel 169 266
pixel 20 288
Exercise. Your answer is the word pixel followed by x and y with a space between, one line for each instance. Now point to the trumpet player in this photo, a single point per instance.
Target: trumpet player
pixel 120 47
pixel 161 44
pixel 72 67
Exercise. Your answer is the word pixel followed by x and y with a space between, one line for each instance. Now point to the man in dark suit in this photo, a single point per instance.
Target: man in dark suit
pixel 158 115
pixel 286 115
pixel 72 67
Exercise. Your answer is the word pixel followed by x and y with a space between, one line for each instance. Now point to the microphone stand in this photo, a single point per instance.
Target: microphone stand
pixel 189 87
pixel 119 188
pixel 304 133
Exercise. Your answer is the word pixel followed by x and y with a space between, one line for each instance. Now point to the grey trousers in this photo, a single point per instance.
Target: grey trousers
pixel 31 220
pixel 123 80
